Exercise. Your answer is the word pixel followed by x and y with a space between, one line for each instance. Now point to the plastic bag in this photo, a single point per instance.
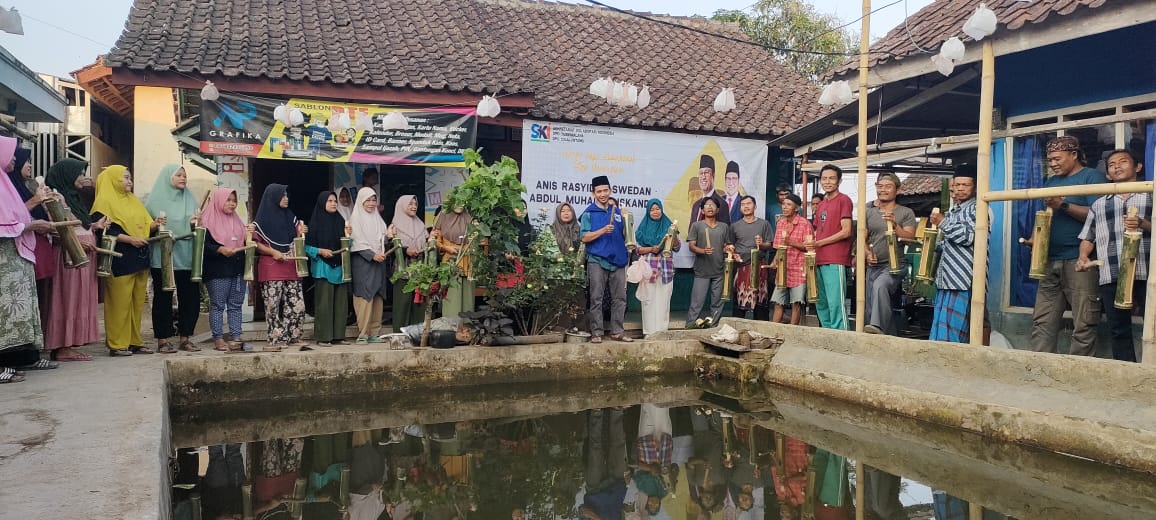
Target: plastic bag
pixel 395 121
pixel 982 23
pixel 644 97
pixel 209 92
pixel 725 101
pixel 10 21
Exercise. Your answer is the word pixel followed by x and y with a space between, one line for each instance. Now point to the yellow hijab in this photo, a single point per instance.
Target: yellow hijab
pixel 120 206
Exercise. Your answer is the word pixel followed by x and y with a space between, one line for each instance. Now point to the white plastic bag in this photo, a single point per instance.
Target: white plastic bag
pixel 982 23
pixel 638 271
pixel 644 97
pixel 943 65
pixel 725 101
pixel 10 21
pixel 395 121
pixel 952 49
pixel 209 92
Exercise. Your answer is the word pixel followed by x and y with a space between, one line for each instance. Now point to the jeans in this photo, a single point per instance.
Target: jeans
pixel 881 286
pixel 1064 286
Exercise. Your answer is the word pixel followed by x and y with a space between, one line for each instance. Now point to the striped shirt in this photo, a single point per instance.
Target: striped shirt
pixel 956 248
pixel 1105 227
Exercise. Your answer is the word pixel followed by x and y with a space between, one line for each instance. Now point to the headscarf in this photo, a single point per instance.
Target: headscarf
pixel 62 178
pixel 651 232
pixel 453 225
pixel 566 233
pixel 120 206
pixel 411 230
pixel 226 229
pixel 326 229
pixel 178 206
pixel 345 211
pixel 21 184
pixel 14 217
pixel 276 225
pixel 368 227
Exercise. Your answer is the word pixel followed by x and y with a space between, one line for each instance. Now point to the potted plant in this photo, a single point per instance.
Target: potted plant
pixel 428 279
pixel 551 279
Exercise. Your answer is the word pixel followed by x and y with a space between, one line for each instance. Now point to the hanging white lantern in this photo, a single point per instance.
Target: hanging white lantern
pixel 335 123
pixel 281 114
pixel 981 24
pixel 631 95
pixel 10 21
pixel 395 121
pixel 952 49
pixel 600 87
pixel 209 92
pixel 364 122
pixel 643 97
pixel 489 107
pixel 838 92
pixel 296 117
pixel 943 65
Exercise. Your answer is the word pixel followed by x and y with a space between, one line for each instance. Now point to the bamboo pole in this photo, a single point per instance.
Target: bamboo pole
pixel 982 187
pixel 1107 188
pixel 861 198
pixel 1148 346
pixel 860 491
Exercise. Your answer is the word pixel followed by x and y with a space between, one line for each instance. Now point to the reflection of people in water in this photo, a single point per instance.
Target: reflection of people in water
pixel 605 456
pixel 705 472
pixel 881 493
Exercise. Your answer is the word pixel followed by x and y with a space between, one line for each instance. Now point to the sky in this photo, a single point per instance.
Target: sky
pixel 61 36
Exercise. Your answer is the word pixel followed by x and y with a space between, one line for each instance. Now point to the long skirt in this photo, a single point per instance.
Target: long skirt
pixel 656 308
pixel 74 306
pixel 284 310
pixel 330 310
pixel 459 299
pixel 405 311
pixel 19 313
pixel 124 301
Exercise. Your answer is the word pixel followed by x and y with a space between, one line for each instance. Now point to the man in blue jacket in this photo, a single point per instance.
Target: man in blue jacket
pixel 606 258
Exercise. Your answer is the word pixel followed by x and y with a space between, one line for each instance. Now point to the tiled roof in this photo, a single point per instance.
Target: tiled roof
pixel 919 184
pixel 943 19
pixel 552 50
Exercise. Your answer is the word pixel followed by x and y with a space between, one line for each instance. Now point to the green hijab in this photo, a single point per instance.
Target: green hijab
pixel 179 206
pixel 62 178
pixel 651 232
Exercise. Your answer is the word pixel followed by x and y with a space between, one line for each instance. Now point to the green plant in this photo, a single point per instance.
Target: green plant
pixel 551 281
pixel 492 195
pixel 487 324
pixel 431 279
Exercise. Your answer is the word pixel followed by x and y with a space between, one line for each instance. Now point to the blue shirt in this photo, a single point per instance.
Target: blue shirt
pixel 1064 242
pixel 319 269
pixel 609 251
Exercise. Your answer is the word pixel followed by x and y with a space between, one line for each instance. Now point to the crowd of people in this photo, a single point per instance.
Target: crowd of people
pixel 51 305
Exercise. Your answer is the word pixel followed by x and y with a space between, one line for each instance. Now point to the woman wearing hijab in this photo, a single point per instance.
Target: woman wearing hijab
pixel 345 203
pixel 413 235
pixel 170 197
pixel 20 336
pixel 566 229
pixel 74 299
pixel 330 292
pixel 368 231
pixel 654 292
pixel 452 228
pixel 20 176
pixel 224 267
pixel 280 286
pixel 124 292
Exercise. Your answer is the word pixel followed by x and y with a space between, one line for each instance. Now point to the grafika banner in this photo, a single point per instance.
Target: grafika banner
pixel 244 125
pixel 559 160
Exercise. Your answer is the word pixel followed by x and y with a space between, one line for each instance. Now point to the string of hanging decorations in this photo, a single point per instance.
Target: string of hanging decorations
pixel 981 24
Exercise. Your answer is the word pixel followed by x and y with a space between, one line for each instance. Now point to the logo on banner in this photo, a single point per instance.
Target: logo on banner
pixel 540 133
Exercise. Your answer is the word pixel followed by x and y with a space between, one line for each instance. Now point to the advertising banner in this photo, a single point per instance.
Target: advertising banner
pixel 244 125
pixel 559 160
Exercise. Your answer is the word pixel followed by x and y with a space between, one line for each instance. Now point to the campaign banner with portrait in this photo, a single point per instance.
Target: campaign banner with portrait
pixel 560 159
pixel 244 125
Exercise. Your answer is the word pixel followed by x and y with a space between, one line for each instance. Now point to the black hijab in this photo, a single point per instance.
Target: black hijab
pixel 326 229
pixel 277 225
pixel 62 178
pixel 21 185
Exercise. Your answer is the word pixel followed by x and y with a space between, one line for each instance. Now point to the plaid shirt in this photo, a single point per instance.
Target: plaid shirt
pixel 797 229
pixel 1105 227
pixel 661 269
pixel 654 449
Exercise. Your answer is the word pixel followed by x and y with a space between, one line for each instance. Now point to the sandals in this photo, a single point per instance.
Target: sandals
pixel 140 349
pixel 8 376
pixel 188 346
pixel 596 339
pixel 42 364
pixel 122 352
pixel 622 337
pixel 70 354
pixel 164 347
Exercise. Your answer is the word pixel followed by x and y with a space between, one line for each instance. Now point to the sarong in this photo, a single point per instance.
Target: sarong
pixel 746 296
pixel 950 321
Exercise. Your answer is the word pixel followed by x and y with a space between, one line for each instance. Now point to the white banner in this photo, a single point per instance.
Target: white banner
pixel 559 160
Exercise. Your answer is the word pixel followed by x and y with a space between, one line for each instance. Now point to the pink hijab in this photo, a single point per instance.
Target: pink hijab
pixel 227 229
pixel 14 217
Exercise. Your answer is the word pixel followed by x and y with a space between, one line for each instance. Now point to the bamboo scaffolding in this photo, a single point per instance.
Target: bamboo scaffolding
pixel 861 202
pixel 982 187
pixel 1107 188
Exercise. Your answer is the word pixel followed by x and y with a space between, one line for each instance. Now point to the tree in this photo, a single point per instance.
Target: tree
pixel 795 24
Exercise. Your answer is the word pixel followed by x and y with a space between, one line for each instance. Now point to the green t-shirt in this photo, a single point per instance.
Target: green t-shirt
pixel 1064 243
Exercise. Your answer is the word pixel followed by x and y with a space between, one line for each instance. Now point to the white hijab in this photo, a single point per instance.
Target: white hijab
pixel 368 227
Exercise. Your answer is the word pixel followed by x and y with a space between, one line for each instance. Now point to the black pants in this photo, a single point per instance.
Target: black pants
pixel 1120 320
pixel 188 305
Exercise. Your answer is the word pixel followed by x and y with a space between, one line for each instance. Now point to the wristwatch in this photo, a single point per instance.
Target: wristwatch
pixel 1064 206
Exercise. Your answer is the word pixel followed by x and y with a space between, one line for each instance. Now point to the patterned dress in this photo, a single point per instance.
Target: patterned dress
pixel 18 308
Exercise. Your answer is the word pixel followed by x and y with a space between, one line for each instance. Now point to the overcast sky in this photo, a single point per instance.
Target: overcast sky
pixel 61 36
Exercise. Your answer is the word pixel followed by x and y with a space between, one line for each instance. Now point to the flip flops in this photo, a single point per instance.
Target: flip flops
pixel 70 354
pixel 9 376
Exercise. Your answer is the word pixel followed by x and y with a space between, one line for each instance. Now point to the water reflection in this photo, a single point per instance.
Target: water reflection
pixel 648 461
